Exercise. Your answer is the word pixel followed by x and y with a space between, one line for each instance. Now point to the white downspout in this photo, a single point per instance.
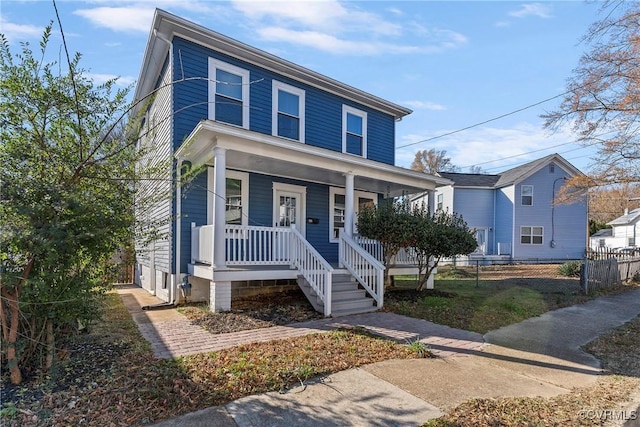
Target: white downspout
pixel 178 239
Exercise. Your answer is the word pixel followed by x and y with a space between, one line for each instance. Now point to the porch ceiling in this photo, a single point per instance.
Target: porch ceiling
pixel 256 152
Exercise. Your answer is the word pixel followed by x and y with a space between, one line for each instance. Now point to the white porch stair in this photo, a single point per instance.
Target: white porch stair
pixel 347 297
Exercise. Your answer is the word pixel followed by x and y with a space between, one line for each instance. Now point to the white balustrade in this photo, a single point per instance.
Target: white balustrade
pixel 362 265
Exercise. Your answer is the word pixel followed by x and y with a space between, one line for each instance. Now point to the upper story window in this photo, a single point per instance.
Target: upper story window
pixel 440 203
pixel 228 93
pixel 288 111
pixel 526 194
pixel 354 131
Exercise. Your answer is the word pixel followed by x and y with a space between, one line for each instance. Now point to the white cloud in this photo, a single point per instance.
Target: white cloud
pixel 19 32
pixel 128 19
pixel 102 78
pixel 332 44
pixel 532 9
pixel 342 28
pixel 494 149
pixel 136 16
pixel 423 105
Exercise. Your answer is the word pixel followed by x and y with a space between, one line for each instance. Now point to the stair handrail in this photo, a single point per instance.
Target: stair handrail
pixel 312 266
pixel 363 266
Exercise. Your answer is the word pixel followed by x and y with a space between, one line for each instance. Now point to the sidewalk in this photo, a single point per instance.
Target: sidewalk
pixel 538 357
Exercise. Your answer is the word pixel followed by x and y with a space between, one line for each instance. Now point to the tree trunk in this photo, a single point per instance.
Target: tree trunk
pixel 50 346
pixel 12 336
pixel 11 323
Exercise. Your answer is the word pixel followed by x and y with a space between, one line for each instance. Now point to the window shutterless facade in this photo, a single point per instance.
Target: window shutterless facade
pixel 526 195
pixel 288 111
pixel 531 235
pixel 354 131
pixel 237 202
pixel 228 93
pixel 440 203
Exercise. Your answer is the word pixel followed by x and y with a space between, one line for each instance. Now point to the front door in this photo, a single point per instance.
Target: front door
pixel 288 210
pixel 481 238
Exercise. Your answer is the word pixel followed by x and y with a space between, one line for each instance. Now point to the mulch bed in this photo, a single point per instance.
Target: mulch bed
pixel 262 311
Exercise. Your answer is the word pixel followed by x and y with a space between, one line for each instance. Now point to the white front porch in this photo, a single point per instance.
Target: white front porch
pixel 272 253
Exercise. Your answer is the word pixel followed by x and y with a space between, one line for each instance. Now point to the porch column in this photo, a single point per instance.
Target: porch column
pixel 219 202
pixel 219 296
pixel 431 201
pixel 349 215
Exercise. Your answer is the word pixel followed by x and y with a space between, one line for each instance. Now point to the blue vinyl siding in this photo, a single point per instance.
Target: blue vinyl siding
pixel 476 208
pixel 568 228
pixel 317 206
pixel 194 209
pixel 323 111
pixel 504 216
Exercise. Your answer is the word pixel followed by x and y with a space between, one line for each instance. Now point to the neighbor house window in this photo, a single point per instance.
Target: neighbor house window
pixel 237 202
pixel 531 235
pixel 527 195
pixel 354 131
pixel 602 243
pixel 288 111
pixel 632 241
pixel 439 204
pixel 228 93
pixel 337 209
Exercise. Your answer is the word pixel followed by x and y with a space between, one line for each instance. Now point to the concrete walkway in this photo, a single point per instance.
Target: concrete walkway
pixel 538 357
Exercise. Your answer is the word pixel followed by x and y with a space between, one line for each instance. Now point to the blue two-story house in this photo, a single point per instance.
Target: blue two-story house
pixel 288 156
pixel 515 214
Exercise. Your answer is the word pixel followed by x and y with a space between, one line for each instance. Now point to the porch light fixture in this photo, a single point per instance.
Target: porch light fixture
pixel 313 220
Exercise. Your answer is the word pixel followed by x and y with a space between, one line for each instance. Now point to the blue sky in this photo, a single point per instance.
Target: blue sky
pixel 455 63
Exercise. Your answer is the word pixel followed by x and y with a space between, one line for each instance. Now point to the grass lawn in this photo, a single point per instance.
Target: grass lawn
pixel 460 301
pixel 110 375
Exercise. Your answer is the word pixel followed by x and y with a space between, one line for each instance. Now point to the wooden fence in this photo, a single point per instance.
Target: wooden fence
pixel 608 272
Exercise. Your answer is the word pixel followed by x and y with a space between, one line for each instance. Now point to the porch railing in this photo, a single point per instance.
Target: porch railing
pixel 405 256
pixel 313 267
pixel 367 270
pixel 244 245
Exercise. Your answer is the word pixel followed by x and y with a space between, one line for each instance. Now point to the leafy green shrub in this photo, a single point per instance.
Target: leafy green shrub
pixel 570 269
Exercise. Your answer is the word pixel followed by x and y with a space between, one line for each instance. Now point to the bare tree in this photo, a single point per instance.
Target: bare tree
pixel 602 102
pixel 432 161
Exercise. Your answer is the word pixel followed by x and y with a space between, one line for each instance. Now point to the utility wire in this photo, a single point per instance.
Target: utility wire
pixel 483 122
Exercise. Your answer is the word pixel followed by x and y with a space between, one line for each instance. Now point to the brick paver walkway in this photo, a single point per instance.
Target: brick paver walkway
pixel 174 335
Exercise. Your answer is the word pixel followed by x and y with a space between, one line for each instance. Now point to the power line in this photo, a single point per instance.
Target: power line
pixel 483 122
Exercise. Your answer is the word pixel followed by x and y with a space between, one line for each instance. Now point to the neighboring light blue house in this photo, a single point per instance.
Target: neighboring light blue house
pixel 513 213
pixel 290 155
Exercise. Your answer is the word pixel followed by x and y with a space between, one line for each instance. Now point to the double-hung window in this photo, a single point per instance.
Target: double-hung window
pixel 531 235
pixel 526 194
pixel 354 131
pixel 440 203
pixel 228 93
pixel 237 200
pixel 288 111
pixel 337 209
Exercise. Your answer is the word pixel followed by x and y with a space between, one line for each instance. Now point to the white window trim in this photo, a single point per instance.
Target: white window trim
pixel 522 194
pixel 300 93
pixel 532 227
pixel 215 64
pixel 363 114
pixel 356 195
pixel 244 194
pixel 440 201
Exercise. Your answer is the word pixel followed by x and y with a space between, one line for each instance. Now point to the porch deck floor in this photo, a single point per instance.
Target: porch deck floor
pixel 173 335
